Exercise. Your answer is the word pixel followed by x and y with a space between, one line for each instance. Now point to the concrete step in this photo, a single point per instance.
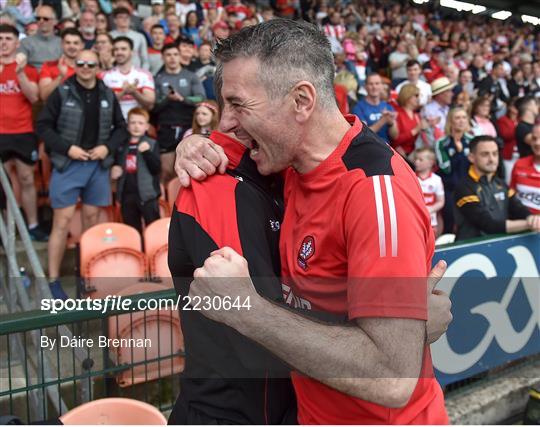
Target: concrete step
pixel 68 263
pixel 495 399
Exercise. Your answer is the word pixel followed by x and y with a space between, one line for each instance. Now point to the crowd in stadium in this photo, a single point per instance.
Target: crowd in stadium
pixel 111 89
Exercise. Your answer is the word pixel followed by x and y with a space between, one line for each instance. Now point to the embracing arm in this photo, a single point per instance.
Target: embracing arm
pixel 377 359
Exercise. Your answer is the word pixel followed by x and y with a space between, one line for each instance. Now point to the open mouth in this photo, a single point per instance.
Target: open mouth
pixel 254 147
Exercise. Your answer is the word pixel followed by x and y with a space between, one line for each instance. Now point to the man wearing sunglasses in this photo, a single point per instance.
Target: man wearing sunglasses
pixel 82 126
pixel 44 45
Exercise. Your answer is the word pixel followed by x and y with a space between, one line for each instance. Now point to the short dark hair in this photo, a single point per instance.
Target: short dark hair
pixel 288 52
pixel 123 39
pixel 497 64
pixel 371 75
pixel 71 32
pixel 168 46
pixel 121 11
pixel 412 63
pixel 481 138
pixel 157 27
pixel 6 28
pixel 183 39
pixel 522 104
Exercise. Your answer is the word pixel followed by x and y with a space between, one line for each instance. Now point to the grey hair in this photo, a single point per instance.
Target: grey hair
pixel 55 16
pixel 288 52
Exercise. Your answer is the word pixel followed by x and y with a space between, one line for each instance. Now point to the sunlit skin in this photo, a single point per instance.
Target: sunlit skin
pixel 46 27
pixel 444 98
pixel 252 116
pixel 137 126
pixel 103 44
pixel 158 37
pixel 535 143
pixel 71 45
pixel 460 122
pixel 122 22
pixel 122 52
pixel 413 73
pixel 171 59
pixel 374 87
pixel 203 116
pixel 8 45
pixel 87 21
pixel 423 163
pixel 205 53
pixel 483 110
pixel 485 158
pixel 86 74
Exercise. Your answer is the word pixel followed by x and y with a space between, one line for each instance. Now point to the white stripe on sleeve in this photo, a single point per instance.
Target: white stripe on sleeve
pixel 380 215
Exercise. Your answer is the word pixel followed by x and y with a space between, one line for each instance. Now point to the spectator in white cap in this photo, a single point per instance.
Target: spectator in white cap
pixel 157 8
pixel 436 111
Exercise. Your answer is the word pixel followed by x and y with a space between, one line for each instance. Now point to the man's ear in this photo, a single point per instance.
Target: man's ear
pixel 304 97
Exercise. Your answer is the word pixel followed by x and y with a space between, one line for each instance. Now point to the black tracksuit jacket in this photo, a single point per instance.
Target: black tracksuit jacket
pixel 229 379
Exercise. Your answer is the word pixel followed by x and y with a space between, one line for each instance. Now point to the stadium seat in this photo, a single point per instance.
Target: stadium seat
pixel 161 327
pixel 111 259
pixel 173 188
pixel 156 247
pixel 115 411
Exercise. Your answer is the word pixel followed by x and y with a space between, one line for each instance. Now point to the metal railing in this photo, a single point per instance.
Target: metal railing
pixel 104 371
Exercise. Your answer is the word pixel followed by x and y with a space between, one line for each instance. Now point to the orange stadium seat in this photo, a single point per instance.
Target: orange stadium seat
pixel 114 411
pixel 173 188
pixel 160 327
pixel 111 259
pixel 156 246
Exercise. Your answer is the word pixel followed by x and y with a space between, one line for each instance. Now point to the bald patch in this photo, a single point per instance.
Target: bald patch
pixel 86 54
pixel 46 6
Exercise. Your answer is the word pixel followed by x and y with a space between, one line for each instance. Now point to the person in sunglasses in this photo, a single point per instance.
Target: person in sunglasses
pixel 44 45
pixel 82 126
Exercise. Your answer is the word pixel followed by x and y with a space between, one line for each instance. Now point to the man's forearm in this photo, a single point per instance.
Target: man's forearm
pixel 516 225
pixel 28 88
pixel 46 88
pixel 375 127
pixel 342 357
pixel 146 100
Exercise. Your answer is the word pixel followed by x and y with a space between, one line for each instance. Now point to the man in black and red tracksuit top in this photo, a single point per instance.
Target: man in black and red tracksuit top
pixel 228 379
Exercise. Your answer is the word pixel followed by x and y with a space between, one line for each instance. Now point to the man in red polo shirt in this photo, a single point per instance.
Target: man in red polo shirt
pixel 55 72
pixel 356 241
pixel 526 175
pixel 18 142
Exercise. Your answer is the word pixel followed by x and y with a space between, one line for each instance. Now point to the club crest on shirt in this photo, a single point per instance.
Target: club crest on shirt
pixel 307 250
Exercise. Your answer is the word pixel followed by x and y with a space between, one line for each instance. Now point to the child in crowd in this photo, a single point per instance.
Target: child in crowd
pixel 205 119
pixel 431 184
pixel 137 170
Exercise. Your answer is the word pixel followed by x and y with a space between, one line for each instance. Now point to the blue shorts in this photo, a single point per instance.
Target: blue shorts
pixel 87 180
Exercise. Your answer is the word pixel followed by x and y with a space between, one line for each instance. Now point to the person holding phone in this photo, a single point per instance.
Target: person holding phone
pixel 178 91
